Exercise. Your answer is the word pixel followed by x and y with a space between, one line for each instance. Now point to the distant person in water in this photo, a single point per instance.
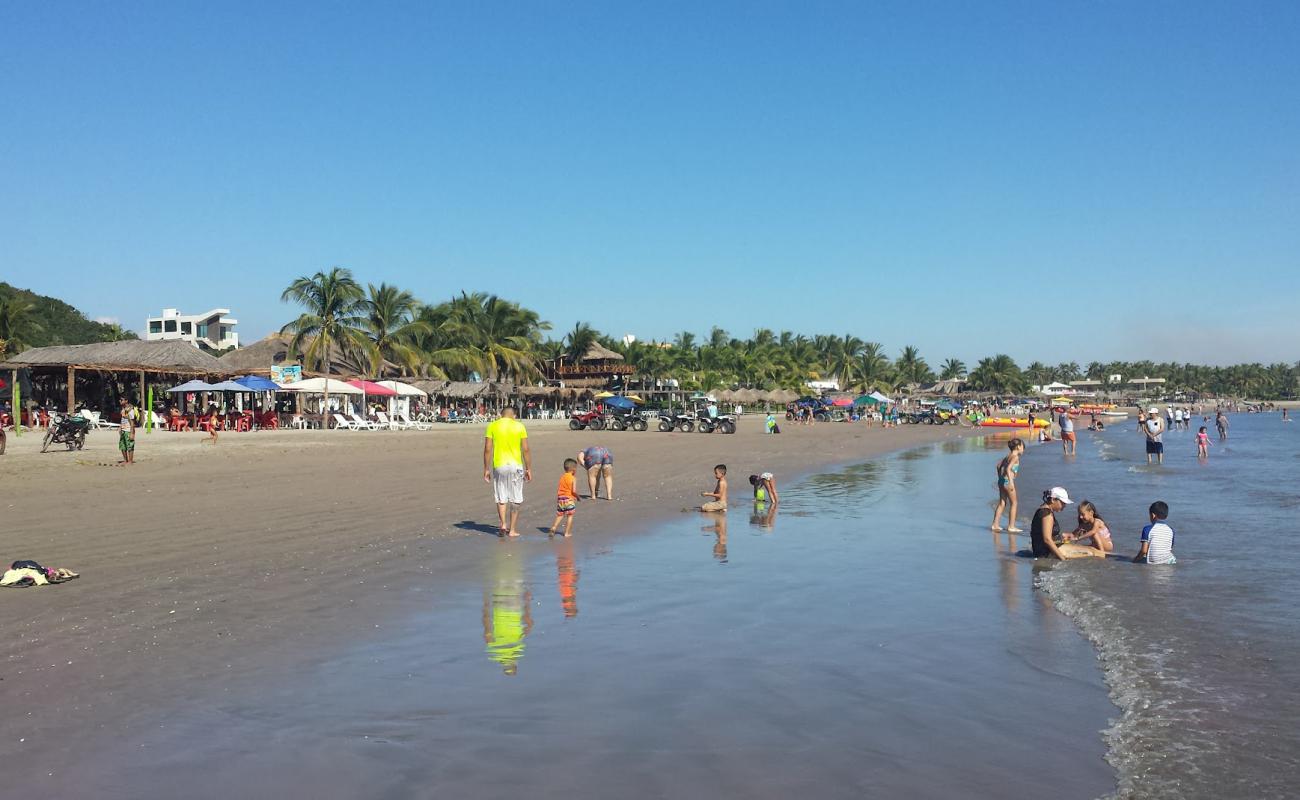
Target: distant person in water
pixel 1045 531
pixel 1158 537
pixel 1202 443
pixel 1007 470
pixel 1092 529
pixel 1221 422
pixel 1154 430
pixel 1067 432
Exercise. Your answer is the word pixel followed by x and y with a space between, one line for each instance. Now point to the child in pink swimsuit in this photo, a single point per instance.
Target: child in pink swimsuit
pixel 1203 443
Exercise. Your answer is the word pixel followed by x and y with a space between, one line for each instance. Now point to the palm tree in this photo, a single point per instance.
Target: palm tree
pixel 911 368
pixel 578 341
pixel 874 369
pixel 391 324
pixel 333 317
pixel 844 359
pixel 491 336
pixel 113 332
pixel 952 369
pixel 997 374
pixel 16 324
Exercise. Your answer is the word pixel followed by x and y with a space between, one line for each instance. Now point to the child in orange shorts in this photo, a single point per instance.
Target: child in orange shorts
pixel 566 498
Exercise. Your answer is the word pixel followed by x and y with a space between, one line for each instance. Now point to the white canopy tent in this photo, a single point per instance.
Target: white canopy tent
pixel 336 388
pixel 405 391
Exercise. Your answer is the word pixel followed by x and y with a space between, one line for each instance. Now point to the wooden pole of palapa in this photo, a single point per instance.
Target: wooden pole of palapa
pixel 72 390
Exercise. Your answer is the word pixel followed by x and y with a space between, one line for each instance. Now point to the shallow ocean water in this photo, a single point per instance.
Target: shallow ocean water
pixel 1202 656
pixel 869 638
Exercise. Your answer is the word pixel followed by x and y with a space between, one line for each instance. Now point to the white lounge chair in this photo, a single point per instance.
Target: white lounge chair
pixel 363 424
pixel 391 424
pixel 95 421
pixel 344 424
pixel 419 425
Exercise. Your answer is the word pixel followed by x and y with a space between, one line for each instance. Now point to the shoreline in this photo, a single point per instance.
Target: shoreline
pixel 204 564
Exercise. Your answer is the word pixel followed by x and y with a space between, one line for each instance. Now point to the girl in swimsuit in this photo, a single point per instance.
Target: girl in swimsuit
pixel 1091 527
pixel 1008 468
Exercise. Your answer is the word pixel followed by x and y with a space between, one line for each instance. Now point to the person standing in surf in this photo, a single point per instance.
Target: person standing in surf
pixel 1154 429
pixel 1221 422
pixel 1067 431
pixel 1008 469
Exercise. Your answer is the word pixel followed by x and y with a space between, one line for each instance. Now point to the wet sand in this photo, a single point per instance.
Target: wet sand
pixel 206 567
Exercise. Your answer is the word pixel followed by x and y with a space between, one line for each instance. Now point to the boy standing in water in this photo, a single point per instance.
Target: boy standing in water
pixel 1157 538
pixel 1154 430
pixel 566 498
pixel 719 493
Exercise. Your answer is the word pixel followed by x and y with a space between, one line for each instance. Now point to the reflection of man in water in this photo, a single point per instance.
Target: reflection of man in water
pixel 719 529
pixel 567 575
pixel 507 614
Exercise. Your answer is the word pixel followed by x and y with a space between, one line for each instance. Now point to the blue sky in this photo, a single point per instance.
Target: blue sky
pixel 1052 180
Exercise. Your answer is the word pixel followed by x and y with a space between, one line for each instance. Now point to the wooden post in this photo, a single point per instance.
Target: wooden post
pixel 72 390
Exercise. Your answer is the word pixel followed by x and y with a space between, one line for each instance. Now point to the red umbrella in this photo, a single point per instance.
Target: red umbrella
pixel 373 389
pixel 842 401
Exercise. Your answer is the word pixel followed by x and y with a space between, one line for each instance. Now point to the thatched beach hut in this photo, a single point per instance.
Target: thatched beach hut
pixel 98 373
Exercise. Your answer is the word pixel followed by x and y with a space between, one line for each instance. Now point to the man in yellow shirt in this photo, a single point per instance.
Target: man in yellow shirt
pixel 507 464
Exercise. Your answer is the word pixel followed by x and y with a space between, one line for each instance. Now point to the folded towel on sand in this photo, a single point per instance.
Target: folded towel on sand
pixel 22 577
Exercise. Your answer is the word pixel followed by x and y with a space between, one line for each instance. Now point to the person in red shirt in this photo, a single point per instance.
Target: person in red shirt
pixel 566 498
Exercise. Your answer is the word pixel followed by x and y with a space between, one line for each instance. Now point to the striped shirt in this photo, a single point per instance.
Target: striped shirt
pixel 1159 539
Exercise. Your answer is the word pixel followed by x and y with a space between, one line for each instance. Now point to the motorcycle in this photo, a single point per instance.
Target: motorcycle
pixel 67 431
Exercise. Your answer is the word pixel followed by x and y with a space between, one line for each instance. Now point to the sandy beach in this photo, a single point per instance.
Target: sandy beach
pixel 202 563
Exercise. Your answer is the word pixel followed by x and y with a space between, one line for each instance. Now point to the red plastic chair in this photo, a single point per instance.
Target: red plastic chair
pixel 244 422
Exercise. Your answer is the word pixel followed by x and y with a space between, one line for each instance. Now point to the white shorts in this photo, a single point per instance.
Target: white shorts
pixel 508 485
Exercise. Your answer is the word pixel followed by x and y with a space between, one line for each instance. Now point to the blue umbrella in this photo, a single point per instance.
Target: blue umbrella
pixel 619 402
pixel 256 383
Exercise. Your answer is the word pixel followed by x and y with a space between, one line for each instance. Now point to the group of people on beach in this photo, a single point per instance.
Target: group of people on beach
pixel 508 465
pixel 1091 538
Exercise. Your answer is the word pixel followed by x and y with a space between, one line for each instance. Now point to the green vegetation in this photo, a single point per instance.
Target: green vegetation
pixel 498 339
pixel 32 320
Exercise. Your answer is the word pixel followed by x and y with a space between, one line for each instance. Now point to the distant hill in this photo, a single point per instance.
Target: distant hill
pixel 56 322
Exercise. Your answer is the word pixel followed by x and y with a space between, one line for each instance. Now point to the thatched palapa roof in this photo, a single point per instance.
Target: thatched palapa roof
pixel 598 352
pixel 172 357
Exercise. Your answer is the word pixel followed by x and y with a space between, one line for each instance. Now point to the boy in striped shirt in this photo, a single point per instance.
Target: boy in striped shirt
pixel 1157 538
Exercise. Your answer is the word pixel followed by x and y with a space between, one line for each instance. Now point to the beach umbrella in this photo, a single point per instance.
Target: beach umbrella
pixel 319 385
pixel 879 398
pixel 190 386
pixel 373 389
pixel 620 402
pixel 841 402
pixel 634 398
pixel 228 386
pixel 404 389
pixel 603 395
pixel 256 383
pixel 864 400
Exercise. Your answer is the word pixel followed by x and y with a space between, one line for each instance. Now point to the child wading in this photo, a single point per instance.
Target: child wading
pixel 566 498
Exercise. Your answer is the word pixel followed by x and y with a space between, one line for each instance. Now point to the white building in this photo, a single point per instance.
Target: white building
pixel 213 328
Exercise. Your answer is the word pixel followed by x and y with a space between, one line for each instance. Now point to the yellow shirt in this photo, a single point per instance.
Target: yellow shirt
pixel 507 437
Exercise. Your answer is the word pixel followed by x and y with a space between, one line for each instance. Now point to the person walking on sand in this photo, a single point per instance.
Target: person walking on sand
pixel 1154 429
pixel 566 498
pixel 126 433
pixel 1008 469
pixel 599 463
pixel 507 465
pixel 719 493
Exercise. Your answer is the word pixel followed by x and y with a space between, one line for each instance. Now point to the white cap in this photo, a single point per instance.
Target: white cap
pixel 1059 493
pixel 1153 410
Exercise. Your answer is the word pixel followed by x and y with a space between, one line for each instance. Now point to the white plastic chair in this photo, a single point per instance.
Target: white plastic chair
pixel 391 424
pixel 341 424
pixel 363 424
pixel 418 424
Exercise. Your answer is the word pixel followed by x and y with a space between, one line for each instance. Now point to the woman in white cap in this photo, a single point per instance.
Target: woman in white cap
pixel 1045 529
